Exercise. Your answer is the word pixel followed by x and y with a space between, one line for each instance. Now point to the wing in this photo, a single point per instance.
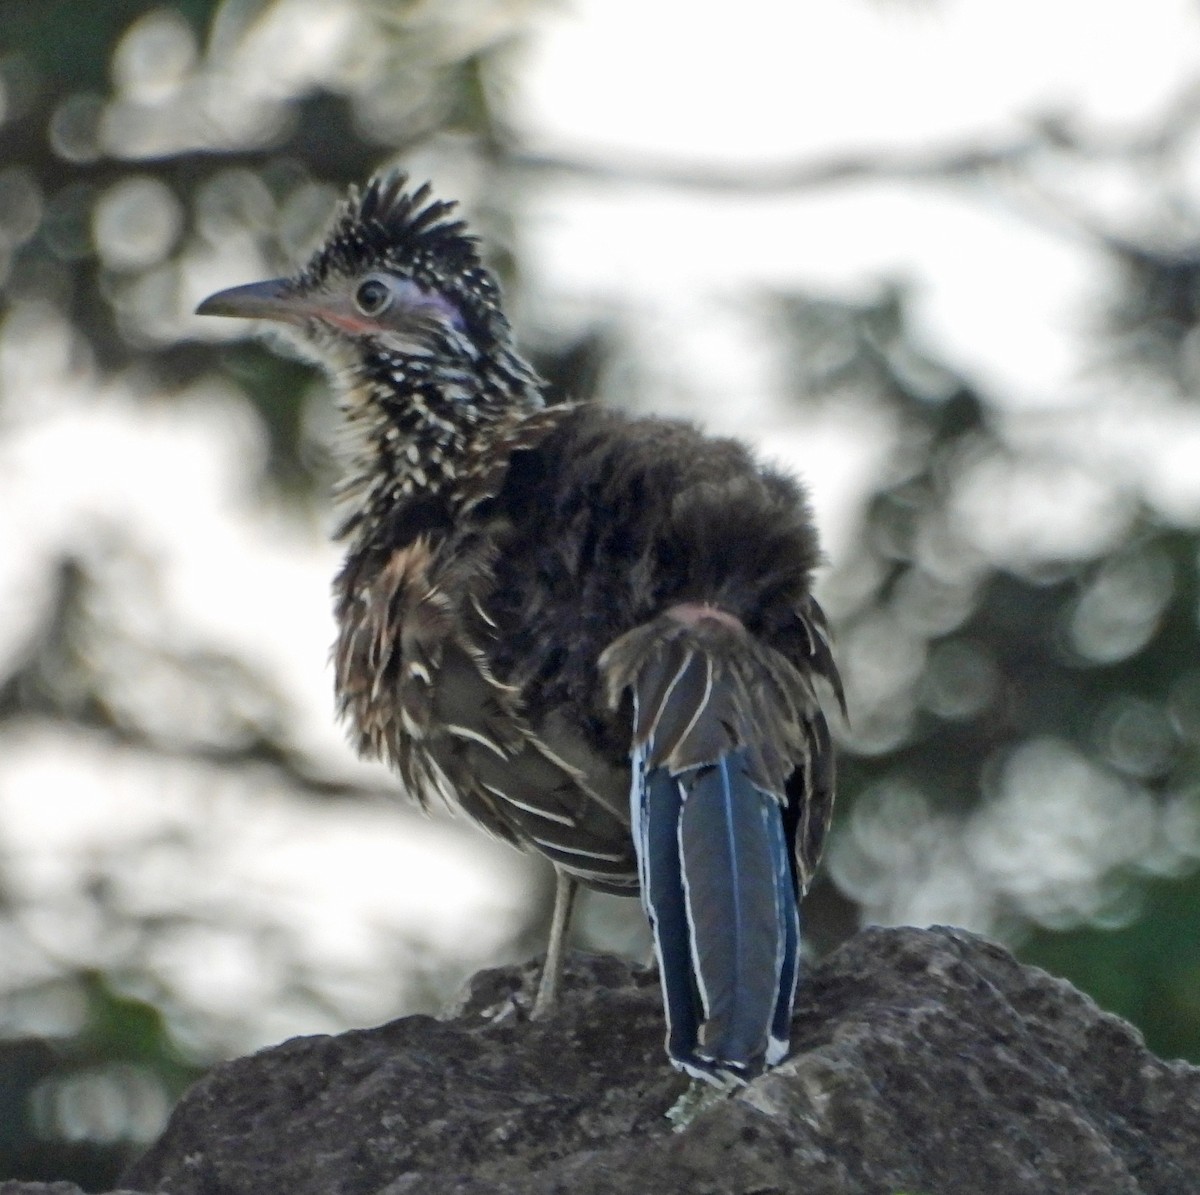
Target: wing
pixel 810 788
pixel 414 681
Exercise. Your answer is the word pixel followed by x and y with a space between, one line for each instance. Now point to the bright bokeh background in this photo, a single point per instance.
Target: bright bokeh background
pixel 942 258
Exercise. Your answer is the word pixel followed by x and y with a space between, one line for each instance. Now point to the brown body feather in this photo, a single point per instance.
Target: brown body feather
pixel 486 643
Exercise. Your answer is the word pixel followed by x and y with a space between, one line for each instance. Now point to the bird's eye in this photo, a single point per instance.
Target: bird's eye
pixel 372 296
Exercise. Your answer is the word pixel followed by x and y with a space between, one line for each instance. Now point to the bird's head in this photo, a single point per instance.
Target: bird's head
pixel 397 276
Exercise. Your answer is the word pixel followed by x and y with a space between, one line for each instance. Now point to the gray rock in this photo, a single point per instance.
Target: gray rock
pixel 17 1187
pixel 927 1062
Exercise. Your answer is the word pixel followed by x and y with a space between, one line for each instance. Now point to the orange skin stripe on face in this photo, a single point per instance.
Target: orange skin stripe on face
pixel 348 323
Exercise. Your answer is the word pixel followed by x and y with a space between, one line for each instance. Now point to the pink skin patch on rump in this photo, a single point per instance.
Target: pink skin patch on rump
pixel 692 613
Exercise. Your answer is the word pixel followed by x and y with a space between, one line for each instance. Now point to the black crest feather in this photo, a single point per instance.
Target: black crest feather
pixel 389 226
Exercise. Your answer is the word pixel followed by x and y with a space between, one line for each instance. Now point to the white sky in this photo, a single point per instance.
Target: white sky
pixel 652 79
pixel 807 78
pixel 799 81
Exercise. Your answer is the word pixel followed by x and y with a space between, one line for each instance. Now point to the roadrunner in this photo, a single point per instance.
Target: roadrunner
pixel 594 634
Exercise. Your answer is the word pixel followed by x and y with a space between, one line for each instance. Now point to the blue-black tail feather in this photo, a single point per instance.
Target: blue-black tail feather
pixel 718 891
pixel 732 788
pixel 657 800
pixel 789 967
pixel 728 862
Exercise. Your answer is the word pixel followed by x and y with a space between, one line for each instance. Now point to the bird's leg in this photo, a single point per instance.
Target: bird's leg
pixel 565 888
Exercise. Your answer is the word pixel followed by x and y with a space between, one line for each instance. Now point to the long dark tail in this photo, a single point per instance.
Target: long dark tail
pixel 718 890
pixel 730 761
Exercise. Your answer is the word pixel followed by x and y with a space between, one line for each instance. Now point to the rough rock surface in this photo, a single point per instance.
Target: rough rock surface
pixel 16 1187
pixel 927 1062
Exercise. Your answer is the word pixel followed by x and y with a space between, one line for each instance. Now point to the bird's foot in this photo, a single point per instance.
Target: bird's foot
pixel 699 1097
pixel 511 1008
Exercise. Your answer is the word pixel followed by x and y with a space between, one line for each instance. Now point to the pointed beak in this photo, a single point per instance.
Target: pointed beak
pixel 274 299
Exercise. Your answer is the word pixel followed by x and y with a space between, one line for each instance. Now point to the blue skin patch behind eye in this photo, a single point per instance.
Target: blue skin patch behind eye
pixel 415 297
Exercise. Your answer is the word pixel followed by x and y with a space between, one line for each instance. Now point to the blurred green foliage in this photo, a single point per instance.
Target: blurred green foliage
pixel 1147 971
pixel 982 686
pixel 67 1104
